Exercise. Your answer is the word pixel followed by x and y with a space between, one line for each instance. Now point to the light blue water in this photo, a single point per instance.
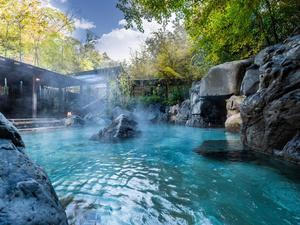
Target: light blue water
pixel 160 179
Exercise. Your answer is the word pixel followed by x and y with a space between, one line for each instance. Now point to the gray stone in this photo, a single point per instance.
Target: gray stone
pixel 271 116
pixel 250 82
pixel 123 127
pixel 9 131
pixel 233 122
pixel 291 151
pixel 224 79
pixel 26 194
pixel 180 113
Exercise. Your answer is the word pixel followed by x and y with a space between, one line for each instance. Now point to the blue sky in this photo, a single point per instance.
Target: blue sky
pixel 102 17
pixel 102 13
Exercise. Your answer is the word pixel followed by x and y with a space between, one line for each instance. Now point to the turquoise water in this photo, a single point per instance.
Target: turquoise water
pixel 160 179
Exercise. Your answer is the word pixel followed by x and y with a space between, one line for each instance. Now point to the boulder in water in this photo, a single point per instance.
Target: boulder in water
pixel 122 127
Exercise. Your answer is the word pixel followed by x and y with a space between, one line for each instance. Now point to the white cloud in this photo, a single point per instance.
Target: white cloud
pixel 63 1
pixel 121 42
pixel 83 24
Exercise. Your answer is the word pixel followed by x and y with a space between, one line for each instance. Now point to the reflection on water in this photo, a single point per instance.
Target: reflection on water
pixel 160 179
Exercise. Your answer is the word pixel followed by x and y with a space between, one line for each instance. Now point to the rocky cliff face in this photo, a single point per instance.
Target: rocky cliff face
pixel 207 104
pixel 271 116
pixel 26 194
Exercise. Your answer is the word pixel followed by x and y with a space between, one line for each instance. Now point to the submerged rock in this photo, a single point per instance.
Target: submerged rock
pixel 122 127
pixel 74 121
pixel 225 150
pixel 26 194
pixel 271 116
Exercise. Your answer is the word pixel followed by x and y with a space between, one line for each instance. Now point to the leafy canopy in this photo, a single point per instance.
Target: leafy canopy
pixel 222 30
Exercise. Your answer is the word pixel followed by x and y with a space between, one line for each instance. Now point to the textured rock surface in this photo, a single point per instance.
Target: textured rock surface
pixel 291 151
pixel 271 116
pixel 208 111
pixel 207 97
pixel 251 81
pixel 233 122
pixel 122 127
pixel 26 194
pixel 180 113
pixel 8 131
pixel 224 79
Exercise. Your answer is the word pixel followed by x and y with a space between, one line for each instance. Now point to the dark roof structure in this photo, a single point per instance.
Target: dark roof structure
pixel 15 71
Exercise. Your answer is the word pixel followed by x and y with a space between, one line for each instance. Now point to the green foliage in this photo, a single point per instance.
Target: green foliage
pixel 222 30
pixel 41 35
pixel 151 99
pixel 167 56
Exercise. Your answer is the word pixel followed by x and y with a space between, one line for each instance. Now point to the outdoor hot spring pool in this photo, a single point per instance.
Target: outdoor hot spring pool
pixel 160 179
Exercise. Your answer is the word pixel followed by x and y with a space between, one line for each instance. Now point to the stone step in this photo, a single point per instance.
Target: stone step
pixel 25 124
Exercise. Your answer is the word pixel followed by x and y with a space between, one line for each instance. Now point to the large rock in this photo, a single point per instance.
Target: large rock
pixel 9 131
pixel 271 116
pixel 234 121
pixel 26 194
pixel 206 111
pixel 208 96
pixel 250 82
pixel 122 127
pixel 224 79
pixel 291 151
pixel 180 113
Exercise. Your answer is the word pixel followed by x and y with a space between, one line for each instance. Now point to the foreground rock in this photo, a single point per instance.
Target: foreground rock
pixel 271 116
pixel 122 127
pixel 234 121
pixel 26 194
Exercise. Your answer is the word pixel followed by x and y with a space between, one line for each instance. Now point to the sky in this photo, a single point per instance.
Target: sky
pixel 104 19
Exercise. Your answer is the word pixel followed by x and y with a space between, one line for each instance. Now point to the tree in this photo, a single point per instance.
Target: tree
pixel 40 35
pixel 222 29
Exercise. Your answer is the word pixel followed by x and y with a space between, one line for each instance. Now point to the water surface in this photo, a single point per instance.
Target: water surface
pixel 160 179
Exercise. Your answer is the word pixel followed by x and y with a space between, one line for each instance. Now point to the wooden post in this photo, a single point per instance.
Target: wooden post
pixel 34 97
pixel 60 100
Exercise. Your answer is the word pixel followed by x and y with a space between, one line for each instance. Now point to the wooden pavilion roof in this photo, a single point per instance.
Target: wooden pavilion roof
pixel 15 71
